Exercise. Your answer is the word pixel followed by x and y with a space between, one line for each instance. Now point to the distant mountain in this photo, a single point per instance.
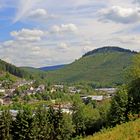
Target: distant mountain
pixel 50 68
pixel 101 67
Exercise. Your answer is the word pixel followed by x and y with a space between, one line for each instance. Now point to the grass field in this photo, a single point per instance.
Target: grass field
pixel 127 131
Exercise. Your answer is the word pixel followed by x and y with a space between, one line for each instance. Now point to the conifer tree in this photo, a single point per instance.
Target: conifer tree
pixel 78 119
pixel 51 123
pixel 23 125
pixel 5 125
pixel 41 124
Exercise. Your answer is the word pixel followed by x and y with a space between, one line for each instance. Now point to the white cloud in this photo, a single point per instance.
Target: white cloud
pixel 29 49
pixel 63 46
pixel 120 14
pixel 41 13
pixel 129 39
pixel 64 28
pixel 38 54
pixel 8 43
pixel 28 35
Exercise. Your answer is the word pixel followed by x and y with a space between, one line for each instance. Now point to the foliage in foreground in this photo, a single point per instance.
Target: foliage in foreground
pixel 127 131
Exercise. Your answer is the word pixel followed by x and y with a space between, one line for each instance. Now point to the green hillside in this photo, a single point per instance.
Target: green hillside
pixel 102 67
pixel 13 70
pixel 22 72
pixel 127 131
pixel 36 73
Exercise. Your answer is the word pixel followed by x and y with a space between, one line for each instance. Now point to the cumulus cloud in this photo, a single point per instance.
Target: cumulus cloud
pixel 120 14
pixel 38 54
pixel 24 54
pixel 38 13
pixel 64 28
pixel 28 35
pixel 28 48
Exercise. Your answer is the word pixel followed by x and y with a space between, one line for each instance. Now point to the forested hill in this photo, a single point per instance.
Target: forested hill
pixel 108 49
pixel 102 67
pixel 6 67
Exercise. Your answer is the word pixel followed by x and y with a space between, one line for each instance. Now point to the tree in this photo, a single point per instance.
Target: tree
pixel 5 125
pixel 51 123
pixel 134 71
pixel 55 123
pixel 134 97
pixel 68 128
pixel 104 109
pixel 78 119
pixel 60 126
pixel 41 125
pixel 118 110
pixel 134 87
pixel 23 126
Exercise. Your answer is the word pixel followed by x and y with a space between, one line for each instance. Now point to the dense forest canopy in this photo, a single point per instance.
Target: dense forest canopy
pixel 4 66
pixel 109 49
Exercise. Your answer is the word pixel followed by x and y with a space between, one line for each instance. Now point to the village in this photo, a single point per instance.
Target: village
pixel 26 88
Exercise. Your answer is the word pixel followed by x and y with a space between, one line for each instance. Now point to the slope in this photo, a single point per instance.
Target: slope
pixel 36 73
pixel 104 68
pixel 127 131
pixel 13 70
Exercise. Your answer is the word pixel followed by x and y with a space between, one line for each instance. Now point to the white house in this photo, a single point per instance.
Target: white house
pixel 2 90
pixel 1 101
pixel 108 90
pixel 94 98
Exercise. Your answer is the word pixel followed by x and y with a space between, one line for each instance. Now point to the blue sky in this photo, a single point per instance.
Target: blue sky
pixel 51 32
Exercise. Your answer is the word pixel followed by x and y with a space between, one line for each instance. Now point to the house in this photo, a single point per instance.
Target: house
pixel 74 90
pixel 30 92
pixel 14 113
pixel 67 111
pixel 96 98
pixel 1 101
pixel 2 90
pixel 11 90
pixel 93 97
pixel 58 86
pixel 41 88
pixel 7 100
pixel 31 88
pixel 53 90
pixel 108 90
